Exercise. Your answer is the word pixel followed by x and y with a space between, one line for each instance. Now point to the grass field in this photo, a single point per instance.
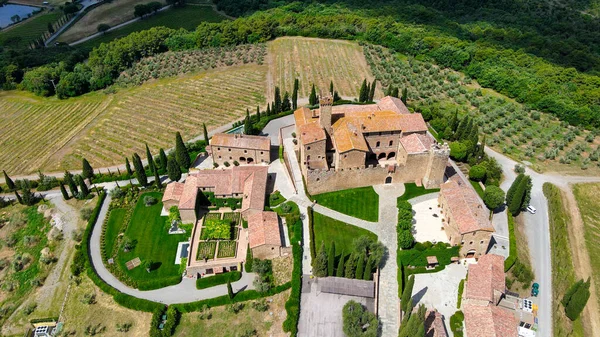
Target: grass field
pixel 188 17
pixel 589 206
pixel 153 243
pixel 411 190
pixel 362 203
pixel 224 323
pixel 328 230
pixel 563 273
pixel 318 61
pixel 29 30
pixel 49 134
pixel 112 14
pixel 114 224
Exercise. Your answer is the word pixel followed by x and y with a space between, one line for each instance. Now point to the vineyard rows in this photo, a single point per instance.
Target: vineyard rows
pixel 318 61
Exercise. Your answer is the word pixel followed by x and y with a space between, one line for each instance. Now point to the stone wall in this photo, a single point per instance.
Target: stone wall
pixel 222 154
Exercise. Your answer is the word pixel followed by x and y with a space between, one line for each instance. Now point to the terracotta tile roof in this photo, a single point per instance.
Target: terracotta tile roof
pixel 417 143
pixel 434 325
pixel 173 191
pixel 263 229
pixel 413 123
pixel 241 141
pixel 311 132
pixel 347 136
pixel 489 321
pixel 393 104
pixel 250 181
pixel 486 278
pixel 466 208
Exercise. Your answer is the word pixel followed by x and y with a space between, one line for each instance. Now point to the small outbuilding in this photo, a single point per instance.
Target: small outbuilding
pixel 264 235
pixel 432 262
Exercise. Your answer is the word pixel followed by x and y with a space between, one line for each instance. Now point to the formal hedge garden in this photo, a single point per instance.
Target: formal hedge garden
pixel 213 229
pixel 206 250
pixel 227 249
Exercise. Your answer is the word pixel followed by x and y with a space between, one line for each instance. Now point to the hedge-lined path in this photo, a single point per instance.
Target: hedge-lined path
pixel 184 292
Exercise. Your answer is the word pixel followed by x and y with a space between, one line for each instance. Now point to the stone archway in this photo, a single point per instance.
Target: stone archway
pixel 250 160
pixel 388 180
pixel 470 254
pixel 242 159
pixel 381 156
pixel 391 155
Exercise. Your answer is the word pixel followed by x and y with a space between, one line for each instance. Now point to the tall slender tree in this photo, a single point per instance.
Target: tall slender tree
pixel 248 126
pixel 268 109
pixel 331 259
pixel 205 132
pixel 340 267
pixel 181 153
pixel 258 113
pixel 320 263
pixel 63 190
pixel 128 167
pixel 313 99
pixel 363 93
pixel 372 91
pixel 88 171
pixel 19 199
pixel 404 98
pixel 407 293
pixel 162 158
pixel 173 170
pixel 140 172
pixel 368 268
pixel 513 187
pixel 84 191
pixel 331 88
pixel 360 266
pixel 156 176
pixel 149 157
pixel 395 92
pixel 295 94
pixel 286 105
pixel 9 182
pixel 277 107
pixel 229 290
pixel 350 267
pixel 68 179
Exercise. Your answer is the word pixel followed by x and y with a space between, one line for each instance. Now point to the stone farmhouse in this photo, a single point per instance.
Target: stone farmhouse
pixel 348 146
pixel 265 235
pixel 490 311
pixel 466 217
pixel 244 149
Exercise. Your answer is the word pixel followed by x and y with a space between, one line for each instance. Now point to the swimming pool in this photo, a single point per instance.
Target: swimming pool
pixel 9 10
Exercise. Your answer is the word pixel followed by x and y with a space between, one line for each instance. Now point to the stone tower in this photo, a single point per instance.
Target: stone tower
pixel 436 166
pixel 325 104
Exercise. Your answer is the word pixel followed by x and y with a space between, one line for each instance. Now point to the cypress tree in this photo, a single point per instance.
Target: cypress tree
pixel 312 99
pixel 578 300
pixel 286 105
pixel 516 203
pixel 350 268
pixel 82 187
pixel 9 182
pixel 268 109
pixel 461 129
pixel 149 157
pixel 468 130
pixel 128 167
pixel 257 113
pixel 173 170
pixel 372 91
pixel 320 263
pixel 527 196
pixel 513 187
pixel 360 266
pixel 247 126
pixel 88 171
pixel 181 153
pixel 63 190
pixel 277 107
pixel 331 88
pixel 368 268
pixel 156 175
pixel 162 158
pixel 68 179
pixel 395 92
pixel 362 93
pixel 229 290
pixel 140 173
pixel 295 94
pixel 481 149
pixel 404 98
pixel 340 267
pixel 407 293
pixel 331 259
pixel 205 132
pixel 368 91
pixel 18 197
pixel 336 97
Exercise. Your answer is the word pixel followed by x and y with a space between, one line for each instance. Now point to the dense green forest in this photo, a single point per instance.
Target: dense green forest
pixel 546 57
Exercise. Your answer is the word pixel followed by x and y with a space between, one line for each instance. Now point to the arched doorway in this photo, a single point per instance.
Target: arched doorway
pixel 242 159
pixel 250 160
pixel 392 155
pixel 381 156
pixel 388 180
pixel 471 254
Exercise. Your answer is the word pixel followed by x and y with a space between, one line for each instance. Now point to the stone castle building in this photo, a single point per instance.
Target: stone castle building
pixel 244 149
pixel 350 146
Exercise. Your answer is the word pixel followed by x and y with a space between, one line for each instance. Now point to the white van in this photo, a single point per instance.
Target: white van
pixel 531 209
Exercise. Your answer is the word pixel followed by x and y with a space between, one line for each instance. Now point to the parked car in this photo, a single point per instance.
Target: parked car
pixel 531 209
pixel 535 289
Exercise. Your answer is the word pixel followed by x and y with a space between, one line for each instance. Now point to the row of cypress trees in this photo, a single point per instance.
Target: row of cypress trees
pixel 356 266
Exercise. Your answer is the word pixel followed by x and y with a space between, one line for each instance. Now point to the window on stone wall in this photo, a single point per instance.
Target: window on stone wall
pixel 391 142
pixel 261 152
pixel 481 242
pixel 308 147
pixel 229 150
pixel 470 243
pixel 377 144
pixel 245 151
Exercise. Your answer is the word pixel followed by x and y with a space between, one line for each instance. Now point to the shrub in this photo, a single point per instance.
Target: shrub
pixel 477 173
pixel 29 308
pixel 405 239
pixel 89 298
pixel 356 317
pixel 493 197
pixel 149 200
pixel 260 305
pixel 85 214
pixel 456 323
pixel 461 288
pixel 226 164
pixel 211 281
pixel 576 298
pixel 235 307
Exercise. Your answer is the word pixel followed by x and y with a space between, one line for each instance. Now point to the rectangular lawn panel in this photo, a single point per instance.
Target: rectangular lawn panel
pixel 211 281
pixel 227 249
pixel 411 190
pixel 362 203
pixel 114 224
pixel 154 243
pixel 206 249
pixel 329 230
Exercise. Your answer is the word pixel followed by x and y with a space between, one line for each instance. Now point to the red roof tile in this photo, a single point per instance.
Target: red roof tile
pixel 263 229
pixel 416 143
pixel 486 278
pixel 489 321
pixel 173 191
pixel 241 141
pixel 466 208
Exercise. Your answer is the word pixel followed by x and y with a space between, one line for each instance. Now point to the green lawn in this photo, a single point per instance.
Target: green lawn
pixel 114 224
pixel 477 188
pixel 362 203
pixel 327 230
pixel 154 243
pixel 29 30
pixel 188 17
pixel 411 190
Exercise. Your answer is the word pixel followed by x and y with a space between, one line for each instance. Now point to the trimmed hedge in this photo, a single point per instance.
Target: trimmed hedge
pixel 292 306
pixel 512 254
pixel 313 249
pixel 211 281
pixel 461 289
